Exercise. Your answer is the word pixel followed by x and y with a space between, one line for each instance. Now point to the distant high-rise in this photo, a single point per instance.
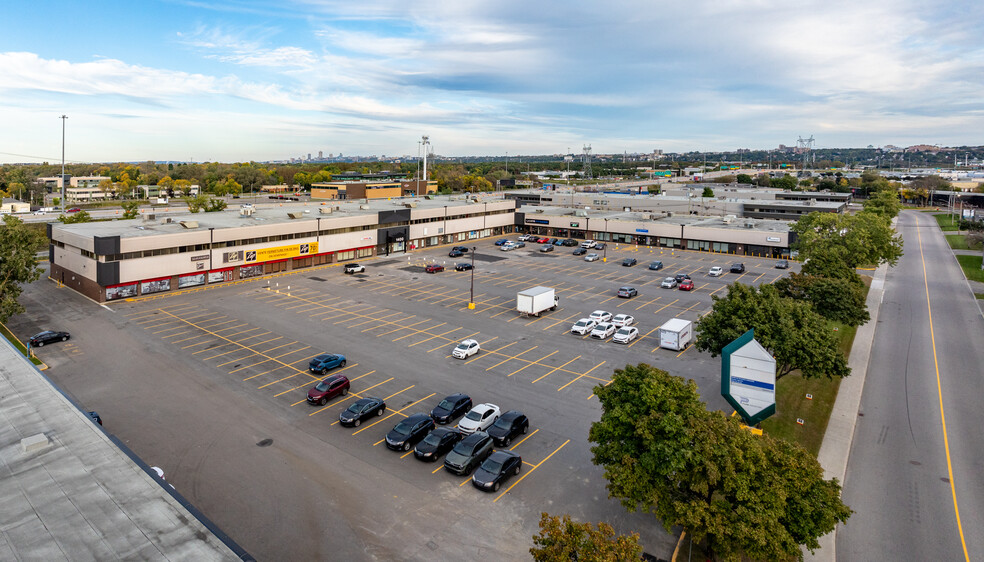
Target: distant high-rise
pixel 320 155
pixel 309 155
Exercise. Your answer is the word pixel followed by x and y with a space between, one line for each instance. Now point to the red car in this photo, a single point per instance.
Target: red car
pixel 434 268
pixel 543 240
pixel 328 389
pixel 73 210
pixel 687 285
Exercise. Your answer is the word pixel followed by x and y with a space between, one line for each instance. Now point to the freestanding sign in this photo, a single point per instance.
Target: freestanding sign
pixel 748 378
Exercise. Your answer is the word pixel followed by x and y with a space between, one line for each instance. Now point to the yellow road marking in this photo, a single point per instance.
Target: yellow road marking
pixel 509 358
pixel 327 406
pixel 421 331
pixel 394 412
pixel 550 372
pixel 530 471
pixel 524 439
pixel 579 377
pixel 534 362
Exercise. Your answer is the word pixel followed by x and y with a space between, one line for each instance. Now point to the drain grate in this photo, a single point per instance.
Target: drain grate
pixel 265 443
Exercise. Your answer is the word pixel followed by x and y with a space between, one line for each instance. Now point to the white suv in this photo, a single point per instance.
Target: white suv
pixel 716 271
pixel 583 326
pixel 588 244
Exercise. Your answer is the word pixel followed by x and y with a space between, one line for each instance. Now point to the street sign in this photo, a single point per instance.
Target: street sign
pixel 748 378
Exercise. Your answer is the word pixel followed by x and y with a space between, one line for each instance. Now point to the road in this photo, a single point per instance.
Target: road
pixel 914 474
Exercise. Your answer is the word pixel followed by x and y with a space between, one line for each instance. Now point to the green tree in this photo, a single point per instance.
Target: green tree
pixel 197 203
pixel 743 178
pixel 840 299
pixel 785 182
pixel 867 237
pixel 708 192
pixel 665 454
pixel 227 187
pixel 791 330
pixel 215 205
pixel 727 178
pixel 885 203
pixel 131 209
pixel 564 540
pixel 77 217
pixel 18 265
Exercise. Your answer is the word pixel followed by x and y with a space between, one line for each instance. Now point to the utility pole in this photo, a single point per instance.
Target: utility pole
pixel 63 118
pixel 424 143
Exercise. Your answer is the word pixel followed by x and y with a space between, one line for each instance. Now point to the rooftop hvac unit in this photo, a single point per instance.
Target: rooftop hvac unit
pixel 749 224
pixel 411 205
pixel 728 219
pixel 189 224
pixel 151 216
pixel 580 213
pixel 325 210
pixel 295 215
pixel 166 220
pixel 246 210
pixel 364 207
pixel 669 213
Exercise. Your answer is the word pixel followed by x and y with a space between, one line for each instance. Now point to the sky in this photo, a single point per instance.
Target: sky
pixel 240 80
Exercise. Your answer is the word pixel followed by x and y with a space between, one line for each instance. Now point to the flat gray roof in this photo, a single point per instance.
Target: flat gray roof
pixel 81 497
pixel 739 223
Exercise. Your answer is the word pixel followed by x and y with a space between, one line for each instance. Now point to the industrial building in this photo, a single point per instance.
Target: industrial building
pixel 382 189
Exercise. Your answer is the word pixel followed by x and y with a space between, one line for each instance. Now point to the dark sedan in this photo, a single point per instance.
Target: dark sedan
pixel 580 251
pixel 360 410
pixel 656 266
pixel 496 470
pixel 782 264
pixel 501 241
pixel 455 253
pixel 570 242
pixel 451 408
pixel 629 262
pixel 462 249
pixel 681 276
pixel 48 336
pixel 463 266
pixel 507 427
pixel 437 443
pixel 409 432
pixel 738 268
pixel 467 454
pixel 434 268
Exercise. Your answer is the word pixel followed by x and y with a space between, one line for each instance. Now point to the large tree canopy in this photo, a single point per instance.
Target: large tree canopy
pixel 835 298
pixel 791 330
pixel 564 540
pixel 866 237
pixel 17 263
pixel 665 454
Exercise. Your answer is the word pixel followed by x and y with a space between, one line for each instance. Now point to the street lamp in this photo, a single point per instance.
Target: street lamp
pixel 604 251
pixel 471 298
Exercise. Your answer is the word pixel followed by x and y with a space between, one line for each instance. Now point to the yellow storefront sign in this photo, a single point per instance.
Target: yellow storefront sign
pixel 282 252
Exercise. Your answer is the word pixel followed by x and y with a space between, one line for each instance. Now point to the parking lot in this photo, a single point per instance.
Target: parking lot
pixel 244 350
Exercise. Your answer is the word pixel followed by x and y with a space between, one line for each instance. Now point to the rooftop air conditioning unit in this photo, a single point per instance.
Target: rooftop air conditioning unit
pixel 749 224
pixel 364 207
pixel 189 224
pixel 150 216
pixel 295 215
pixel 411 205
pixel 325 210
pixel 669 213
pixel 166 220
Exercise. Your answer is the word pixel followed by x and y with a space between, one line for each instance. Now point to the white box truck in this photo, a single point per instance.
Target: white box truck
pixel 532 302
pixel 676 334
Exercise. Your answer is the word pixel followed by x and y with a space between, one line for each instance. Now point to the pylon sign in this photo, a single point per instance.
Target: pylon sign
pixel 748 378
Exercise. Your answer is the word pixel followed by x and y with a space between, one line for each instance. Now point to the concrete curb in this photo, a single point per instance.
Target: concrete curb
pixel 836 447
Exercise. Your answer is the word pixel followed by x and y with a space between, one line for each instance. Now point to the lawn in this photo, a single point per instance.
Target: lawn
pixel 17 343
pixel 972 267
pixel 947 222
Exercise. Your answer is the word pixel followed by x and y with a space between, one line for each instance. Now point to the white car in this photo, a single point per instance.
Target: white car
pixel 626 334
pixel 354 268
pixel 480 418
pixel 466 349
pixel 603 330
pixel 508 246
pixel 601 316
pixel 591 257
pixel 588 244
pixel 583 326
pixel 716 271
pixel 668 283
pixel 621 320
pixel 39 212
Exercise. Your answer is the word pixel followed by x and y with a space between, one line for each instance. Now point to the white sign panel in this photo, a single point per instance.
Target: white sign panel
pixel 753 378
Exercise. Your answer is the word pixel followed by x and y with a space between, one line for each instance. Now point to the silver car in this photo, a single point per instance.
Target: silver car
pixel 591 257
pixel 669 283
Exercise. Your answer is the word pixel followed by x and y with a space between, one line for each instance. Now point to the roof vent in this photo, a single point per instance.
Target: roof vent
pixel 295 215
pixel 189 224
pixel 325 210
pixel 364 207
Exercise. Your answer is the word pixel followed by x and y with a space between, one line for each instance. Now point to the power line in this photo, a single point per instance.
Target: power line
pixel 44 158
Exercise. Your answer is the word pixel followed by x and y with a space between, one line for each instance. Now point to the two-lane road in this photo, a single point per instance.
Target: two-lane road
pixel 915 478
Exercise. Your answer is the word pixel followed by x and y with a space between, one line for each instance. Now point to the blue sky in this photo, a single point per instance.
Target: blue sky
pixel 236 80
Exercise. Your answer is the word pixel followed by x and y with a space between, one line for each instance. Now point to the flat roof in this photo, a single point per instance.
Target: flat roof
pixel 738 223
pixel 81 497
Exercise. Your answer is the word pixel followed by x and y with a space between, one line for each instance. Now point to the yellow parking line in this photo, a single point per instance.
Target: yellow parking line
pixel 397 329
pixel 532 362
pixel 524 439
pixel 174 335
pixel 303 372
pixel 197 344
pixel 581 376
pixel 511 357
pixel 325 407
pixel 452 341
pixel 421 331
pixel 530 471
pixel 437 336
pixel 394 412
pixel 554 370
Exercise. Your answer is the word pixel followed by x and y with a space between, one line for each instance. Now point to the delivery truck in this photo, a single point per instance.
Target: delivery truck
pixel 676 334
pixel 532 302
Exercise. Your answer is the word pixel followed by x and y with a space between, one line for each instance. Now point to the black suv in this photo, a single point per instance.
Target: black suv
pixel 360 410
pixel 507 427
pixel 469 453
pixel 451 408
pixel 437 443
pixel 737 268
pixel 409 432
pixel 570 242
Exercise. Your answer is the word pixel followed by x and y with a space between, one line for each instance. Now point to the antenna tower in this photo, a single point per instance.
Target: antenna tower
pixel 805 146
pixel 586 158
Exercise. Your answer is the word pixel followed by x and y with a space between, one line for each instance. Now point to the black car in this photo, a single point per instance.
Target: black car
pixel 599 246
pixel 451 408
pixel 47 336
pixel 462 249
pixel 737 268
pixel 467 454
pixel 570 242
pixel 455 253
pixel 437 443
pixel 496 469
pixel 580 251
pixel 629 262
pixel 681 276
pixel 555 242
pixel 782 264
pixel 94 416
pixel 409 432
pixel 360 410
pixel 463 266
pixel 656 266
pixel 507 427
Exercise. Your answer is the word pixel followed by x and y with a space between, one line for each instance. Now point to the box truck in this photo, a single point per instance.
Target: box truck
pixel 532 302
pixel 676 334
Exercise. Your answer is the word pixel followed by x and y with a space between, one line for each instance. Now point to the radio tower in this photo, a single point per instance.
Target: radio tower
pixel 805 146
pixel 586 157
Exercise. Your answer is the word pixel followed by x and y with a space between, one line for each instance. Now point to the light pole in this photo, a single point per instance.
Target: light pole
pixel 471 298
pixel 63 118
pixel 604 251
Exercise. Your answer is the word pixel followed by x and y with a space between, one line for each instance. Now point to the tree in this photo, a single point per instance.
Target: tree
pixel 885 203
pixel 708 192
pixel 839 299
pixel 131 209
pixel 727 178
pixel 785 182
pixel 791 330
pixel 743 495
pixel 867 237
pixel 743 178
pixel 227 187
pixel 17 263
pixel 77 217
pixel 564 540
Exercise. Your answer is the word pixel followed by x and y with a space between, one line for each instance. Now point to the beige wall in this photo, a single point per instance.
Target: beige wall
pixel 71 259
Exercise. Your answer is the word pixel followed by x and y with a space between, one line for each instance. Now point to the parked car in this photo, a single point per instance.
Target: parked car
pixel 570 242
pixel 588 244
pixel 466 349
pixel 520 244
pixel 455 253
pixel 510 245
pixel 584 326
pixel 547 248
pixel 669 283
pixel 629 262
pixel 462 249
pixel 479 418
pixel 737 268
pixel 469 453
pixel 656 266
pixel 325 361
pixel 73 210
pixel 508 426
pixel 360 410
pixel 501 241
pixel 321 393
pixel 625 334
pixel 681 276
pixel 451 408
pixel 554 242
pixel 434 268
pixel 354 268
pixel 716 271
pixel 591 257
pixel 463 266
pixel 687 285
pixel 627 292
pixel 94 416
pixel 580 251
pixel 437 443
pixel 599 246
pixel 497 469
pixel 782 264
pixel 523 237
pixel 603 331
pixel 623 320
pixel 48 336
pixel 409 432
pixel 601 316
